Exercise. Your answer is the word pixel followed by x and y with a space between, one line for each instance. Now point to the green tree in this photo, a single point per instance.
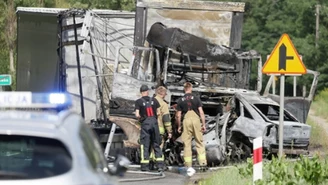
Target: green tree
pixel 103 4
pixel 266 20
pixel 9 29
pixel 8 21
pixel 8 25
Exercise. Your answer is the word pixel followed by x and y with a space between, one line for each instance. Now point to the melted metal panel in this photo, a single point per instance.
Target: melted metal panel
pixel 215 26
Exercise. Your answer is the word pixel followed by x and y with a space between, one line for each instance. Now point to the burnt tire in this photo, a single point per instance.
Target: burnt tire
pixel 242 152
pixel 240 149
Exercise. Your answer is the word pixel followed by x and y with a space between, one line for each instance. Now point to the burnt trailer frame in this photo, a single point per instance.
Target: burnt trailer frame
pixel 236 7
pixel 231 14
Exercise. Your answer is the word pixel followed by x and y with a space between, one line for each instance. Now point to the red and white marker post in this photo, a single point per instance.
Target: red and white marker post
pixel 257 159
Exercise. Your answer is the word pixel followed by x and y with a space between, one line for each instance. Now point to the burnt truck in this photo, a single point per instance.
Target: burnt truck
pixel 172 47
pixel 101 57
pixel 195 41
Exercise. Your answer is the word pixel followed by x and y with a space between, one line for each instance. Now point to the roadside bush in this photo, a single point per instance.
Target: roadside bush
pixel 313 171
pixel 246 171
pixel 280 171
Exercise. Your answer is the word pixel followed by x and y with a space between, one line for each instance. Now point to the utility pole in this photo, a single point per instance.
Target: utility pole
pixel 317 13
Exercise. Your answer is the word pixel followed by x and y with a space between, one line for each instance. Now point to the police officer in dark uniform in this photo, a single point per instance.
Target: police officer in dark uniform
pixel 146 110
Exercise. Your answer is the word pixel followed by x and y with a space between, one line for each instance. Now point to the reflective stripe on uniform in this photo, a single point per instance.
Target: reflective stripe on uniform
pixel 161 130
pixel 187 159
pixel 142 155
pixel 144 161
pixel 156 159
pixel 167 124
pixel 160 159
pixel 152 156
pixel 168 127
pixel 202 157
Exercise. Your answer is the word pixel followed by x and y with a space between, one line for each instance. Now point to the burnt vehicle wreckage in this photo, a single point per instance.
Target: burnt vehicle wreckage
pixel 234 116
pixel 220 74
pixel 200 42
pixel 229 132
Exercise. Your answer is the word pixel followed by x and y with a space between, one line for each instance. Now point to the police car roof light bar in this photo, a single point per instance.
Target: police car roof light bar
pixel 18 99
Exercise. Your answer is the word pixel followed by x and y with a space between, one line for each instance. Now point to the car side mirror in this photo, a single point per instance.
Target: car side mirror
pixel 120 166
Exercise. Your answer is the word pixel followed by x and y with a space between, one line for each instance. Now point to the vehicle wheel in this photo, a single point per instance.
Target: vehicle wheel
pixel 171 159
pixel 240 151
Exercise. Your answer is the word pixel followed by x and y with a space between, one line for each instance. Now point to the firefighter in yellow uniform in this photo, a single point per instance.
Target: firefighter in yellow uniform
pixel 164 119
pixel 190 109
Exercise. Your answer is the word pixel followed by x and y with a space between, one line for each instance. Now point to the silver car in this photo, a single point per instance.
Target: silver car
pixel 48 147
pixel 259 116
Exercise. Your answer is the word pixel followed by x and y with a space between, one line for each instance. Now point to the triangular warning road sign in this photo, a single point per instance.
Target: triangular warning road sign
pixel 284 59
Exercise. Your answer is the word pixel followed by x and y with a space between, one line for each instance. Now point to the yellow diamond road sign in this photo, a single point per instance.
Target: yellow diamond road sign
pixel 284 59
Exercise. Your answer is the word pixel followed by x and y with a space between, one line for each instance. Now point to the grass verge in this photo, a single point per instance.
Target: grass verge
pixel 319 137
pixel 320 104
pixel 304 171
pixel 227 176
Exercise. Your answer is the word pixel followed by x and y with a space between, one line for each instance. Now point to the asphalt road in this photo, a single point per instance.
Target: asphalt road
pixel 169 179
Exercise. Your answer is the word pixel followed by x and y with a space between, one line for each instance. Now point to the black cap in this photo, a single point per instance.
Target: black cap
pixel 144 88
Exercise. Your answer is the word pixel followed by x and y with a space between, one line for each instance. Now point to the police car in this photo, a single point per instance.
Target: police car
pixel 49 144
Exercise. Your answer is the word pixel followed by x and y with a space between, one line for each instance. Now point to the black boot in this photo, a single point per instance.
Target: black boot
pixel 153 165
pixel 160 166
pixel 144 167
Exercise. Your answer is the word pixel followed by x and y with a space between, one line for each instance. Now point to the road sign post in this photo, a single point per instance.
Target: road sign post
pixel 274 85
pixel 281 114
pixel 294 86
pixel 283 60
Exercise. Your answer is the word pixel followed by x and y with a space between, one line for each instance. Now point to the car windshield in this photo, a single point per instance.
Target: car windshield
pixel 26 157
pixel 272 112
